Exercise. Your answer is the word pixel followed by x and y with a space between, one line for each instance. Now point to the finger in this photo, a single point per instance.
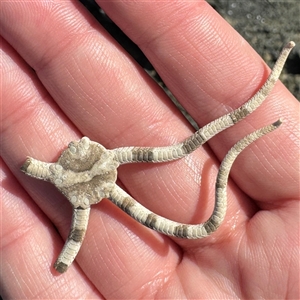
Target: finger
pixel 41 115
pixel 20 126
pixel 212 70
pixel 33 253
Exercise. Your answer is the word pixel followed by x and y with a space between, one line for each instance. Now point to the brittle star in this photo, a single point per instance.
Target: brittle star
pixel 86 173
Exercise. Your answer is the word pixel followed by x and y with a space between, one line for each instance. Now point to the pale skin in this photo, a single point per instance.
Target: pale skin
pixel 86 85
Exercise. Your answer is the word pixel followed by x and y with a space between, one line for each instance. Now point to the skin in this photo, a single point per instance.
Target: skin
pixel 85 84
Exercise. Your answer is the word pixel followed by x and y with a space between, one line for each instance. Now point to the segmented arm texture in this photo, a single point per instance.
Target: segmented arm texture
pixel 171 228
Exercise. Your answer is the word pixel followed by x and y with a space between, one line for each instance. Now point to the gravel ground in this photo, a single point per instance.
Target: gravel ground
pixel 267 25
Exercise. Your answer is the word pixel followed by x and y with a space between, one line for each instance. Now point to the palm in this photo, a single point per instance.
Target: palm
pixel 101 93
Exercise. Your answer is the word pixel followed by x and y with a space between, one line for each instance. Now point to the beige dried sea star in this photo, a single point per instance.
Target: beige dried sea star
pixel 86 173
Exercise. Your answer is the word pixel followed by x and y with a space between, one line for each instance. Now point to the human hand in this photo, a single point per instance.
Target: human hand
pixel 85 84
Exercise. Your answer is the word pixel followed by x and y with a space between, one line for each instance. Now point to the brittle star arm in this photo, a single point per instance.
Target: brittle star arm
pixel 171 228
pixel 74 241
pixel 163 154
